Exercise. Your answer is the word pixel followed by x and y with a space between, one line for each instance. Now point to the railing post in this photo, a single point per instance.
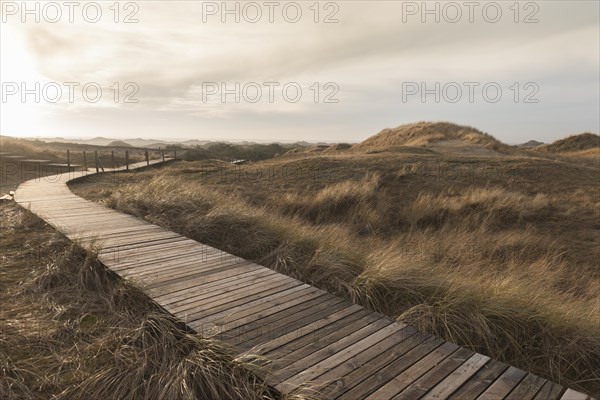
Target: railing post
pixel 175 154
pixel 84 161
pixel 112 159
pixel 96 157
pixel 162 154
pixel 147 158
pixel 127 160
pixel 68 160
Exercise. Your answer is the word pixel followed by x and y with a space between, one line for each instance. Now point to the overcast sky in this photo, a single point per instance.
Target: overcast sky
pixel 521 72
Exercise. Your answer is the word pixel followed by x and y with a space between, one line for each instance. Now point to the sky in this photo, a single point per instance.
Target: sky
pixel 333 71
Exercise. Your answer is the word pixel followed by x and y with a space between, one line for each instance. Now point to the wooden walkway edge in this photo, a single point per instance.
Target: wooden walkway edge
pixel 312 338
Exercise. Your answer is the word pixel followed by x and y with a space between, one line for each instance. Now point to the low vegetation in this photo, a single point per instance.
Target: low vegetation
pixel 441 226
pixel 496 253
pixel 229 151
pixel 70 330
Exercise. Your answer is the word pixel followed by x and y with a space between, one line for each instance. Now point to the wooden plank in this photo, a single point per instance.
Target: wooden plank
pixel 310 332
pixel 503 386
pixel 257 299
pixel 151 244
pixel 213 298
pixel 336 357
pixel 162 288
pixel 251 313
pixel 434 377
pixel 110 235
pixel 362 366
pixel 528 388
pixel 305 353
pixel 193 267
pixel 457 378
pixel 141 242
pixel 306 345
pixel 285 326
pixel 227 325
pixel 265 329
pixel 414 372
pixel 151 257
pixel 571 394
pixel 288 364
pixel 190 273
pixel 116 257
pixel 385 374
pixel 206 282
pixel 172 269
pixel 550 391
pixel 480 381
pixel 178 303
pixel 258 303
pixel 166 259
pixel 217 307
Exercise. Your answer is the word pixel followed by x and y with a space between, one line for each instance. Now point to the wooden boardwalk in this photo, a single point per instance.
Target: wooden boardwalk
pixel 310 337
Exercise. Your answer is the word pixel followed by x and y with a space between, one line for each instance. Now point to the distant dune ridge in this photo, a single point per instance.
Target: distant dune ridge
pixel 118 143
pixel 574 143
pixel 425 133
pixel 531 143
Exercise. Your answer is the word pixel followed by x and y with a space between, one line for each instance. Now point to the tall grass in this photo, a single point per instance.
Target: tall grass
pixel 463 265
pixel 70 330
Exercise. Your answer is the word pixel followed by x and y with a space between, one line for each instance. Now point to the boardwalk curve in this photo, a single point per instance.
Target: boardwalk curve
pixel 311 337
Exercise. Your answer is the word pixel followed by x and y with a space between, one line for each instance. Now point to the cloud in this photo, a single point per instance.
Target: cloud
pixel 369 53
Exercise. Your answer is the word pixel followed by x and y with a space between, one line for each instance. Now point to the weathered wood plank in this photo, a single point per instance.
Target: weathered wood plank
pixel 527 389
pixel 394 386
pixel 355 370
pixel 390 370
pixel 550 391
pixel 434 377
pixel 339 354
pixel 454 380
pixel 504 385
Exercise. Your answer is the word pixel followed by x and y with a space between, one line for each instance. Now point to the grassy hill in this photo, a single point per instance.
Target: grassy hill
pixel 426 133
pixel 575 143
pixel 531 143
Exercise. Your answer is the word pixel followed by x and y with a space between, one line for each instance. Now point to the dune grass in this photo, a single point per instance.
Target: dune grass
pixel 575 143
pixel 71 330
pixel 424 133
pixel 474 265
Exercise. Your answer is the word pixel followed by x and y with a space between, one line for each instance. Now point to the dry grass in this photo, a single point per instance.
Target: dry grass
pixel 24 147
pixel 575 143
pixel 476 261
pixel 70 330
pixel 425 133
